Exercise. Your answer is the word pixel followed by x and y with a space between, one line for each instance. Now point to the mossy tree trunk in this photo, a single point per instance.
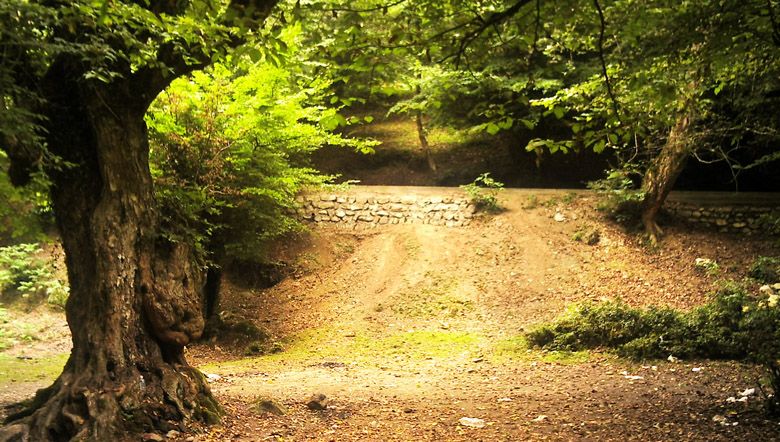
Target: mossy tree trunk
pixel 135 299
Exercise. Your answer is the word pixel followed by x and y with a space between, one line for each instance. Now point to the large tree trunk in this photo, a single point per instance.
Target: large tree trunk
pixel 663 172
pixel 135 300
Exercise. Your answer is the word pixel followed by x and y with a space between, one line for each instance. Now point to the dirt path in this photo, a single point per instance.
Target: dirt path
pixel 410 328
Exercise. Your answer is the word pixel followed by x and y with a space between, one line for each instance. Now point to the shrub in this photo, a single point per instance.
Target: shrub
pixel 765 269
pixel 619 197
pixel 733 325
pixel 483 192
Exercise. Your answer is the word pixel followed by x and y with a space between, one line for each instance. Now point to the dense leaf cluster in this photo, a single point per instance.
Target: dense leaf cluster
pixel 230 150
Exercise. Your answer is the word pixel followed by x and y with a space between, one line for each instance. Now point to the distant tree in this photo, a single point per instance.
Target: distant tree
pixel 662 82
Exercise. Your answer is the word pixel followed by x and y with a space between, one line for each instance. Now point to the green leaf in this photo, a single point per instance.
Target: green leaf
pixel 528 123
pixel 506 123
pixel 492 128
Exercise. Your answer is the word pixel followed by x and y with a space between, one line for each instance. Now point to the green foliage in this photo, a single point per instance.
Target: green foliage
pixel 230 151
pixel 24 210
pixel 619 197
pixel 29 275
pixel 483 192
pixel 765 269
pixel 589 235
pixel 733 325
pixel 707 266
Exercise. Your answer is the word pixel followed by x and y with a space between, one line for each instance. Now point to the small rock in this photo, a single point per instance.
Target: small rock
pixel 317 402
pixel 748 392
pixel 267 405
pixel 472 422
pixel 171 434
pixel 211 377
pixel 505 399
pixel 696 369
pixel 559 217
pixel 672 359
pixel 539 418
pixel 720 419
pixel 152 437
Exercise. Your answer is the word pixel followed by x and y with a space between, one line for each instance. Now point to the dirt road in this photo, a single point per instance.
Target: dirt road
pixel 408 329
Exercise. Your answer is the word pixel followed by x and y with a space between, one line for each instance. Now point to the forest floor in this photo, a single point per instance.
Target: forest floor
pixel 408 329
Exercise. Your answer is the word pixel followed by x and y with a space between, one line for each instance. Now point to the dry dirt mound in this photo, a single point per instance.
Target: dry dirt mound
pixel 409 328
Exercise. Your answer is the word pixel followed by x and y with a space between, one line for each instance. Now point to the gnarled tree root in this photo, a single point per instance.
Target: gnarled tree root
pixel 84 406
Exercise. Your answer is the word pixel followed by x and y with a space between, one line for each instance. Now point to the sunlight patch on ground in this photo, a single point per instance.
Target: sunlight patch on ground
pixel 14 370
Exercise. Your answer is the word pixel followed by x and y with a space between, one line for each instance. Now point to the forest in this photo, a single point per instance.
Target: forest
pixel 389 220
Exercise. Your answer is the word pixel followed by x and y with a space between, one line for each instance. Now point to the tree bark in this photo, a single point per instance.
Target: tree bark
pixel 663 172
pixel 426 148
pixel 135 300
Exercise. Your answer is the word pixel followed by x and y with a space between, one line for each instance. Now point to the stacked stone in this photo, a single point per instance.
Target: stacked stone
pixel 370 211
pixel 747 220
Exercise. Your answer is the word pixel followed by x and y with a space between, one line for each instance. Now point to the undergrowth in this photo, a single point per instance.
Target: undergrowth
pixel 483 192
pixel 733 325
pixel 619 198
pixel 24 272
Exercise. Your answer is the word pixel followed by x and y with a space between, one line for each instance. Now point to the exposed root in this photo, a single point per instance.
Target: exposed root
pixel 79 407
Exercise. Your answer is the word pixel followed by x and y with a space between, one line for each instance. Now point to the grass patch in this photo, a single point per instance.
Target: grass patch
pixel 326 343
pixel 435 297
pixel 14 370
pixel 15 331
pixel 518 348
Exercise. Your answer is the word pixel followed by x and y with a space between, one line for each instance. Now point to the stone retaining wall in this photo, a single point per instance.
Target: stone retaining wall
pixel 735 219
pixel 367 211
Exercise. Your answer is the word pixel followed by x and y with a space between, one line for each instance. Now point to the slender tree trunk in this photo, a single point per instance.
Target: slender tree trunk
pixel 135 299
pixel 663 172
pixel 423 137
pixel 426 148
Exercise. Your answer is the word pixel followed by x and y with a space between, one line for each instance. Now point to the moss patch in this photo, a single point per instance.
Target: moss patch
pixel 434 297
pixel 518 348
pixel 325 343
pixel 14 370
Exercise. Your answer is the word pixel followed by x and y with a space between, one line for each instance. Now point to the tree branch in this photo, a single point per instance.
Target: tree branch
pixel 481 25
pixel 151 80
pixel 602 22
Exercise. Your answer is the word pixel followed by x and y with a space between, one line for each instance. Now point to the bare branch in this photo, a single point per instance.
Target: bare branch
pixel 603 25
